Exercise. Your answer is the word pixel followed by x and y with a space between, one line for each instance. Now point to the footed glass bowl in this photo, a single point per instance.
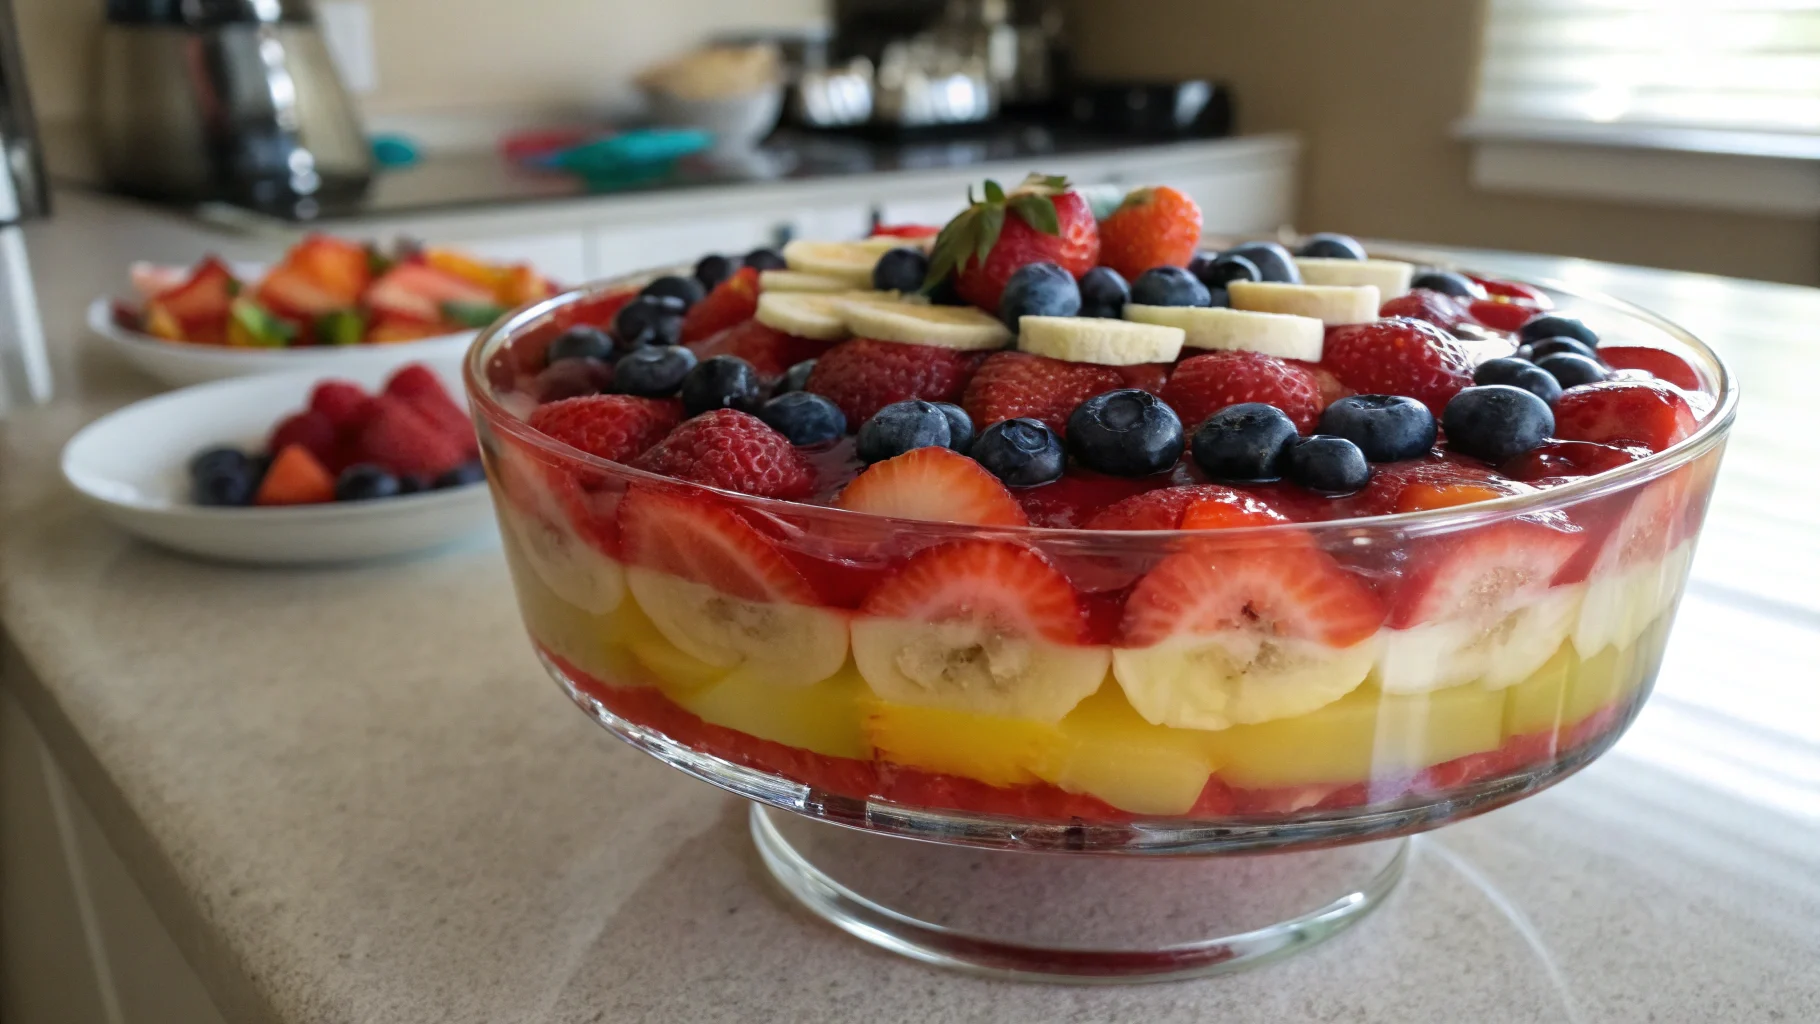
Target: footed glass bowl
pixel 980 706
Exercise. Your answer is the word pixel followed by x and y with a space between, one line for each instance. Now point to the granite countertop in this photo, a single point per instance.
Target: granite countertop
pixel 351 794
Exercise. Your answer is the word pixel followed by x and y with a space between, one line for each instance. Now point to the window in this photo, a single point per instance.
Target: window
pixel 1719 89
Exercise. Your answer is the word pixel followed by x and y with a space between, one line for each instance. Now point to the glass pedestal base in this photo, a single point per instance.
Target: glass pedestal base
pixel 1070 917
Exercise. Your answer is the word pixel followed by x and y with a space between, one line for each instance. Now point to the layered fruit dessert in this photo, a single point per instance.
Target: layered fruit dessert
pixel 1060 512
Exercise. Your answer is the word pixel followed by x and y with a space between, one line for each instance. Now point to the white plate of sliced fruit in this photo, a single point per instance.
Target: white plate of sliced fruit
pixel 330 306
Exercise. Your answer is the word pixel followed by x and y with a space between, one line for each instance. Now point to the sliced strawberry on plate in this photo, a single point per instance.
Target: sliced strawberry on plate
pixel 770 351
pixel 338 266
pixel 1399 356
pixel 415 291
pixel 1651 413
pixel 732 301
pixel 1010 385
pixel 863 376
pixel 419 386
pixel 386 330
pixel 1203 385
pixel 204 297
pixel 933 484
pixel 1654 361
pixel 1040 221
pixel 295 477
pixel 151 280
pixel 697 538
pixel 619 428
pixel 729 449
pixel 290 291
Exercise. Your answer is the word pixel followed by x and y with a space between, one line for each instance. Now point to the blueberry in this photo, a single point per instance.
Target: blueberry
pixel 901 427
pixel 714 268
pixel 1518 373
pixel 686 290
pixel 960 427
pixel 1326 465
pixel 648 320
pixel 765 259
pixel 900 270
pixel 212 461
pixel 1496 422
pixel 580 342
pixel 1169 286
pixel 227 484
pixel 1386 428
pixel 655 371
pixel 411 483
pixel 1448 283
pixel 1220 271
pixel 571 378
pixel 1572 370
pixel 1243 443
pixel 365 482
pixel 1535 350
pixel 1039 289
pixel 1125 433
pixel 1104 293
pixel 1273 261
pixel 1329 246
pixel 722 382
pixel 1021 452
pixel 796 378
pixel 804 417
pixel 467 473
pixel 1550 325
pixel 945 293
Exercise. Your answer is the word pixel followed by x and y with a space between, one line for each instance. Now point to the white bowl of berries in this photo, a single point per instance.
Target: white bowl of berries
pixel 371 465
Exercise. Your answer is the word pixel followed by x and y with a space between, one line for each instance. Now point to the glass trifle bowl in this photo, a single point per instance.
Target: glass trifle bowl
pixel 1086 754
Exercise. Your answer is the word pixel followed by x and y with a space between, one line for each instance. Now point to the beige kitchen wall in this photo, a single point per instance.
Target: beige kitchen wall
pixel 438 56
pixel 1374 86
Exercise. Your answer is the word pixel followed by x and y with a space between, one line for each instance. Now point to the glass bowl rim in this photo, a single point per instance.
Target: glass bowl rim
pixel 1709 433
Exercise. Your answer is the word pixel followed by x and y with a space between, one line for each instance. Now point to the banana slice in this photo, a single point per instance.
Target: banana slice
pixel 1234 677
pixel 975 665
pixel 956 327
pixel 797 281
pixel 1272 334
pixel 1331 304
pixel 573 569
pixel 804 314
pixel 771 642
pixel 851 261
pixel 1390 277
pixel 1497 650
pixel 1085 339
pixel 1621 602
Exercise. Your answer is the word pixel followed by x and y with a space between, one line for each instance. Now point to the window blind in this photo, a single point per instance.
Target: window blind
pixel 1739 65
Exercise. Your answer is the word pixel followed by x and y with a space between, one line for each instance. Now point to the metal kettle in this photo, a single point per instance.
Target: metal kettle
pixel 232 100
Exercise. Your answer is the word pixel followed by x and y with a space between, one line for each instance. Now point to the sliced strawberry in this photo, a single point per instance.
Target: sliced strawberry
pixel 204 297
pixel 1439 481
pixel 699 539
pixel 1501 314
pixel 1654 361
pixel 1444 311
pixel 543 490
pixel 596 310
pixel 1225 509
pixel 397 437
pixel 1013 586
pixel 1562 460
pixel 338 266
pixel 151 280
pixel 1080 495
pixel 732 301
pixel 391 329
pixel 1651 413
pixel 414 291
pixel 1010 385
pixel 770 351
pixel 1536 298
pixel 1479 570
pixel 1283 588
pixel 1645 525
pixel 906 231
pixel 1167 508
pixel 289 291
pixel 934 484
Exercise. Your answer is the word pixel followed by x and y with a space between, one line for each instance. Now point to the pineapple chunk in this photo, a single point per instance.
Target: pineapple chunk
pixel 1112 753
pixel 996 751
pixel 824 718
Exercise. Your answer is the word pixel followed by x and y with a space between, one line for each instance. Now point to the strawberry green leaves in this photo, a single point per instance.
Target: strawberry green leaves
pixel 970 236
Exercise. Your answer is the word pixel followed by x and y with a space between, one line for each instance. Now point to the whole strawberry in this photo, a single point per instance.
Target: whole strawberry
pixel 863 375
pixel 1010 385
pixel 1040 221
pixel 615 427
pixel 1153 227
pixel 1203 385
pixel 733 450
pixel 1399 356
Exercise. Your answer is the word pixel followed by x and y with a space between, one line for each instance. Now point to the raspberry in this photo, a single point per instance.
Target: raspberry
pixel 1013 384
pixel 1203 385
pixel 770 351
pixel 345 403
pixel 1438 308
pixel 400 439
pixel 418 386
pixel 1399 356
pixel 733 450
pixel 310 429
pixel 863 376
pixel 732 301
pixel 1330 387
pixel 615 427
pixel 1153 227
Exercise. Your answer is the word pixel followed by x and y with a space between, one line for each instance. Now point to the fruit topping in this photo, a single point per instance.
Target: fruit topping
pixel 732 301
pixel 1093 340
pixel 864 375
pixel 902 427
pixel 1518 373
pixel 1551 325
pixel 804 314
pixel 295 477
pixel 1125 433
pixel 398 437
pixel 1649 413
pixel 648 320
pixel 1444 311
pixel 902 269
pixel 794 281
pixel 1204 384
pixel 1104 293
pixel 1169 286
pixel 1243 444
pixel 762 260
pixel 1556 460
pixel 1329 246
pixel 1572 370
pixel 223 476
pixel 980 626
pixel 770 351
pixel 715 268
pixel 805 418
pixel 311 430
pixel 796 378
pixel 1386 428
pixel 1535 350
pixel 655 371
pixel 953 327
pixel 1152 227
pixel 618 428
pixel 364 481
pixel 934 484
pixel 733 450
pixel 960 427
pixel 1654 361
pixel 1272 260
pixel 1399 356
pixel 1038 289
pixel 1448 283
pixel 1499 314
pixel 1390 277
pixel 1333 305
pixel 582 341
pixel 1271 334
pixel 849 261
pixel 686 290
pixel 1010 385
pixel 1080 495
pixel 1040 221
pixel 1166 509
pixel 1496 422
pixel 571 378
pixel 1326 465
pixel 1217 270
pixel 1022 452
pixel 1228 632
pixel 720 382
